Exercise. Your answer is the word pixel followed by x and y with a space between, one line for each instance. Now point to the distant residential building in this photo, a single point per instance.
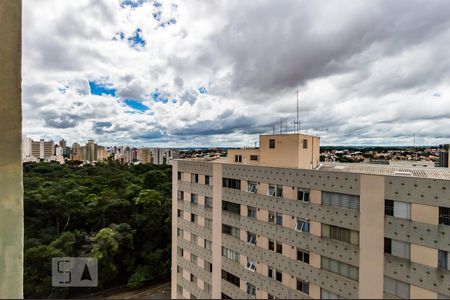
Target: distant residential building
pixel 76 152
pixel 444 158
pixel 144 155
pixel 171 155
pixel 42 149
pixel 102 153
pixel 158 156
pixel 26 147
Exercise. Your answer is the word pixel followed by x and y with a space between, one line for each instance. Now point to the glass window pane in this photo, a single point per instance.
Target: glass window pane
pixel 402 210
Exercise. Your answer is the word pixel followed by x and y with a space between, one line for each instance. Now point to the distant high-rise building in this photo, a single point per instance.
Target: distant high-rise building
pixel 26 147
pixel 444 157
pixel 144 155
pixel 274 223
pixel 42 149
pixel 158 156
pixel 102 153
pixel 91 151
pixel 171 155
pixel 76 152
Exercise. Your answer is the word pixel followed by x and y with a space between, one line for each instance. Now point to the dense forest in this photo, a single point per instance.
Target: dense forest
pixel 118 214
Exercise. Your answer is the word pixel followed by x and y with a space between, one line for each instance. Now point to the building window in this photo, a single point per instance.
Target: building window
pixel 270 272
pixel 340 234
pixel 444 215
pixel 303 195
pixel 230 230
pixel 231 183
pixel 208 202
pixel 271 218
pixel 340 268
pixel 270 296
pixel 324 294
pixel 231 254
pixel 231 207
pixel 231 278
pixel 397 209
pixel 251 290
pixel 275 246
pixel 388 207
pixel 194 218
pixel 225 296
pixel 207 244
pixel 180 251
pixel 193 278
pixel 303 286
pixel 208 223
pixel 194 178
pixel 179 270
pixel 251 265
pixel 279 218
pixel 340 200
pixel 179 213
pixel 279 248
pixel 179 290
pixel 271 245
pixel 208 180
pixel 207 266
pixel 194 239
pixel 305 144
pixel 251 187
pixel 180 232
pixel 193 259
pixel 180 175
pixel 275 190
pixel 443 257
pixel 271 143
pixel 303 256
pixel 251 212
pixel 238 158
pixel 279 276
pixel 194 198
pixel 180 195
pixel 253 157
pixel 302 225
pixel 207 287
pixel 251 238
pixel 397 248
pixel 396 287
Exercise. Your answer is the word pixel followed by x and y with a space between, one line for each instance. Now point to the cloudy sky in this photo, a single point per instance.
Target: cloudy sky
pixel 218 73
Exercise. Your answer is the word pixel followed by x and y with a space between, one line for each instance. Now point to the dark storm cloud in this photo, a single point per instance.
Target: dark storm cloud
pixel 228 124
pixel 279 45
pixel 61 121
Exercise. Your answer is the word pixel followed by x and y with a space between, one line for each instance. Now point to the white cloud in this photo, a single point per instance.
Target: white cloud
pixel 368 72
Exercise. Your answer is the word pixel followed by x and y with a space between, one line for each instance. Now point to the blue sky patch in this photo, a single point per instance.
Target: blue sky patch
pixel 136 39
pixel 132 3
pixel 158 97
pixel 102 89
pixel 135 105
pixel 202 90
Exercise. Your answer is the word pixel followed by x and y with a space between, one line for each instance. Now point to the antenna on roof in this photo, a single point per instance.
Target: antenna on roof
pixel 281 125
pixel 297 123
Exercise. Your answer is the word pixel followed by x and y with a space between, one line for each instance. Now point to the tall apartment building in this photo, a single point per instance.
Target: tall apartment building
pixel 158 156
pixel 76 152
pixel 275 223
pixel 42 149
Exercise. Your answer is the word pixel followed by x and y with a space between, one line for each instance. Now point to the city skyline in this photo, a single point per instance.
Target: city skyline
pixel 195 73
